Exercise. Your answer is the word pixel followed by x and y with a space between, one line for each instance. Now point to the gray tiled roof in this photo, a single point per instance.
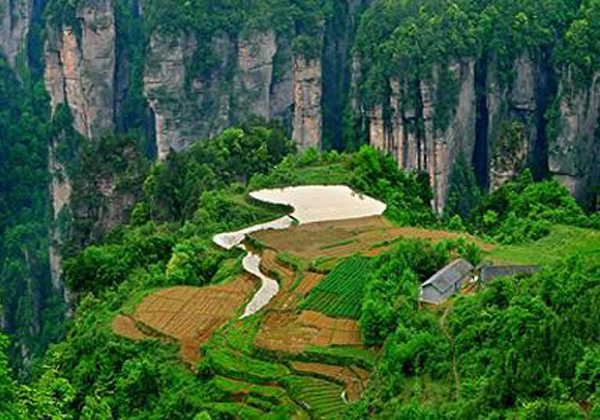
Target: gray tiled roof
pixel 446 281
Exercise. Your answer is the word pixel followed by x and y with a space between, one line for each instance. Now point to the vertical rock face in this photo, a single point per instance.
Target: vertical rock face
pixel 192 104
pixel 308 118
pixel 165 88
pixel 80 68
pixel 574 154
pixel 255 75
pixel 61 191
pixel 80 72
pixel 15 19
pixel 512 119
pixel 435 147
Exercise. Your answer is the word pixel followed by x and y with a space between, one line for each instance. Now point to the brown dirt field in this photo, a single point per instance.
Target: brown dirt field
pixel 269 264
pixel 125 327
pixel 290 293
pixel 354 382
pixel 345 237
pixel 186 314
pixel 308 283
pixel 291 332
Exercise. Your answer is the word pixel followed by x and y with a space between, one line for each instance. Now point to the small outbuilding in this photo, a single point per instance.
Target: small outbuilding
pixel 490 272
pixel 446 282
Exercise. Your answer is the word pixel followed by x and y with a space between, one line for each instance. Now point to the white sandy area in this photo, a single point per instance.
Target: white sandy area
pixel 322 203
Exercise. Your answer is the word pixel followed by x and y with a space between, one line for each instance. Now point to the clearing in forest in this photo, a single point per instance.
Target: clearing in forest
pixel 188 315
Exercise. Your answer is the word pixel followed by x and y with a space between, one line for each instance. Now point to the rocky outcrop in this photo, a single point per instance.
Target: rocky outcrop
pixel 165 85
pixel 15 20
pixel 193 101
pixel 61 190
pixel 435 147
pixel 80 68
pixel 573 154
pixel 308 117
pixel 512 128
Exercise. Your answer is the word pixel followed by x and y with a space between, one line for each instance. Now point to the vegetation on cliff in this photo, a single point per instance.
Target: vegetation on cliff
pixel 34 306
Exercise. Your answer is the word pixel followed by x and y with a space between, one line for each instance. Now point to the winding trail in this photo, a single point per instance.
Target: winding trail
pixel 446 330
pixel 311 204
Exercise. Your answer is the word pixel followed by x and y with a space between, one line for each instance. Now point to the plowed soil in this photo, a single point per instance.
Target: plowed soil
pixel 342 238
pixel 292 332
pixel 294 286
pixel 186 314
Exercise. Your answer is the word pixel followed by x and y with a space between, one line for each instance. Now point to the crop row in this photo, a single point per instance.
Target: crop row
pixel 340 293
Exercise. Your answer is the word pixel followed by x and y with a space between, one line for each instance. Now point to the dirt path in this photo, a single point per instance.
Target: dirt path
pixel 444 327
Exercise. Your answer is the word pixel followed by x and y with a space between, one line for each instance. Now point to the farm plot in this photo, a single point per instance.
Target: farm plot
pixel 340 294
pixel 185 314
pixel 343 238
pixel 265 397
pixel 322 398
pixel 354 379
pixel 293 333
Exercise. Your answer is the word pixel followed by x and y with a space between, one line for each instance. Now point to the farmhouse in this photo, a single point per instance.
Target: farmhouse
pixel 446 282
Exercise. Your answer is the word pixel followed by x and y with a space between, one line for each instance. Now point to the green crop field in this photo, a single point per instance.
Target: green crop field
pixel 340 294
pixel 322 398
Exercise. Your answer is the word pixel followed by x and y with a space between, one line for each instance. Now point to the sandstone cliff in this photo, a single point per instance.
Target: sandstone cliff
pixel 15 20
pixel 80 68
pixel 197 86
pixel 414 133
pixel 574 155
pixel 190 104
pixel 500 123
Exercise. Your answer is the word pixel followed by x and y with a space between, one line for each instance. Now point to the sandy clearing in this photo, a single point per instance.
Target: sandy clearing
pixel 320 203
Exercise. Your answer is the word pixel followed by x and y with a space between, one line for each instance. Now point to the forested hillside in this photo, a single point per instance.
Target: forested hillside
pixel 132 131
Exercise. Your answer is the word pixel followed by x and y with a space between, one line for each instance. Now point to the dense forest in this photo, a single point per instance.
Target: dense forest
pixel 133 131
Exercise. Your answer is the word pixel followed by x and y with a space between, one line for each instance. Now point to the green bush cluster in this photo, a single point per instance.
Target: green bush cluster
pixel 174 187
pixel 407 194
pixel 523 210
pixel 523 347
pixel 405 40
pixel 392 295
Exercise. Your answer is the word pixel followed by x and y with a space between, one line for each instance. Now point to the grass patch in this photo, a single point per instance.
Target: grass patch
pixel 340 294
pixel 563 241
pixel 324 175
pixel 229 270
pixel 341 356
pixel 290 260
pixel 323 265
pixel 238 365
pixel 339 243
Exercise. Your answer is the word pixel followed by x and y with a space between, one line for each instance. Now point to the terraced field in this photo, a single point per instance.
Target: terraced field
pixel 343 238
pixel 187 315
pixel 340 294
pixel 353 378
pixel 321 398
